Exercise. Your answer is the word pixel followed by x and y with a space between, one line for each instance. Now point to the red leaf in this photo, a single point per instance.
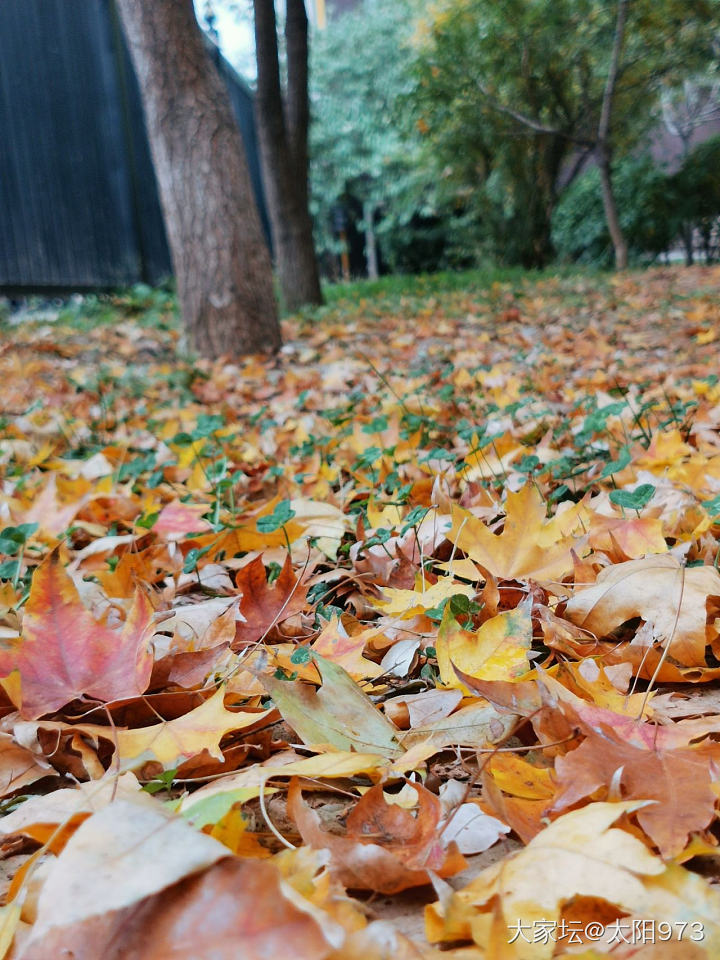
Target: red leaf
pixel 64 653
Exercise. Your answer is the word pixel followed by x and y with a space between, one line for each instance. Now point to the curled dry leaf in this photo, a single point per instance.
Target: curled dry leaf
pixel 580 855
pixel 386 848
pixel 19 766
pixel 670 598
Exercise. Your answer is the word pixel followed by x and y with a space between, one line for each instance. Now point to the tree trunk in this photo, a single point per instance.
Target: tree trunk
pixel 371 257
pixel 611 212
pixel 603 141
pixel 687 228
pixel 688 243
pixel 221 262
pixel 283 133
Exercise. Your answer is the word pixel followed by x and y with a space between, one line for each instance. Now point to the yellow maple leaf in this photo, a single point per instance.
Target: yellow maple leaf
pixel 529 546
pixel 497 651
pixel 408 603
pixel 580 855
pixel 172 741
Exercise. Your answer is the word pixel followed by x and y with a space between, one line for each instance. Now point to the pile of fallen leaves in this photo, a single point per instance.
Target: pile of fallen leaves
pixel 430 602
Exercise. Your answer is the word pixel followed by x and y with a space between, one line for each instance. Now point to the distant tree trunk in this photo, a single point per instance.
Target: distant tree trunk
pixel 221 262
pixel 686 230
pixel 371 257
pixel 612 217
pixel 603 141
pixel 688 243
pixel 283 135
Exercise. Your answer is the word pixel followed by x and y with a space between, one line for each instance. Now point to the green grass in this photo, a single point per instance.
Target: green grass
pixel 156 306
pixel 421 286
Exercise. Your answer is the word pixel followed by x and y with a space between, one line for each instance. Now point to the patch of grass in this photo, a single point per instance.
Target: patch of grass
pixel 421 286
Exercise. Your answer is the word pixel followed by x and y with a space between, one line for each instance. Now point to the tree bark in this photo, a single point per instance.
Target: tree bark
pixel 283 136
pixel 603 140
pixel 611 212
pixel 221 262
pixel 371 257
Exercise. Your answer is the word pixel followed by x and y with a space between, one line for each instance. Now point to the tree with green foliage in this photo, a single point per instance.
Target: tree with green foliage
pixel 687 108
pixel 696 187
pixel 517 95
pixel 364 143
pixel 647 206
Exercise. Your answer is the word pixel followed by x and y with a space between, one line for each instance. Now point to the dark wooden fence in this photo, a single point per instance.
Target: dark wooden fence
pixel 79 207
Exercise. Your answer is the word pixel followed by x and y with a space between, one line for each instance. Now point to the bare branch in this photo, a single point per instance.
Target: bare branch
pixel 529 122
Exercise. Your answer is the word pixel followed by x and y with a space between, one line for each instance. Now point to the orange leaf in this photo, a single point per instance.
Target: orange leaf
pixel 64 653
pixel 264 605
pixel 386 849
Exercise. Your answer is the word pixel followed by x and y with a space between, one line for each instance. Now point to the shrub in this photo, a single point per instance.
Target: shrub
pixel 647 204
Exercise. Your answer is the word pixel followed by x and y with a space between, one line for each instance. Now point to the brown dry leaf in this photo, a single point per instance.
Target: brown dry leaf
pixel 19 766
pixel 644 762
pixel 234 908
pixel 264 606
pixel 386 848
pixel 678 780
pixel 670 598
pixel 127 886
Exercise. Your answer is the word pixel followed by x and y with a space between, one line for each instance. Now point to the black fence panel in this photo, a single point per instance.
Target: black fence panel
pixel 79 206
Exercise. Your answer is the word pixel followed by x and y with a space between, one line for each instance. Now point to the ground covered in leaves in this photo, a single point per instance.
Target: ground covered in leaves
pixel 285 640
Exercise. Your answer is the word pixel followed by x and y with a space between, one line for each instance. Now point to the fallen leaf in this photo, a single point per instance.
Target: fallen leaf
pixel 529 545
pixel 137 882
pixel 644 761
pixel 177 519
pixel 65 654
pixel 670 598
pixel 408 603
pixel 264 606
pixel 498 650
pixel 173 741
pixel 339 713
pixel 386 848
pixel 19 766
pixel 579 855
